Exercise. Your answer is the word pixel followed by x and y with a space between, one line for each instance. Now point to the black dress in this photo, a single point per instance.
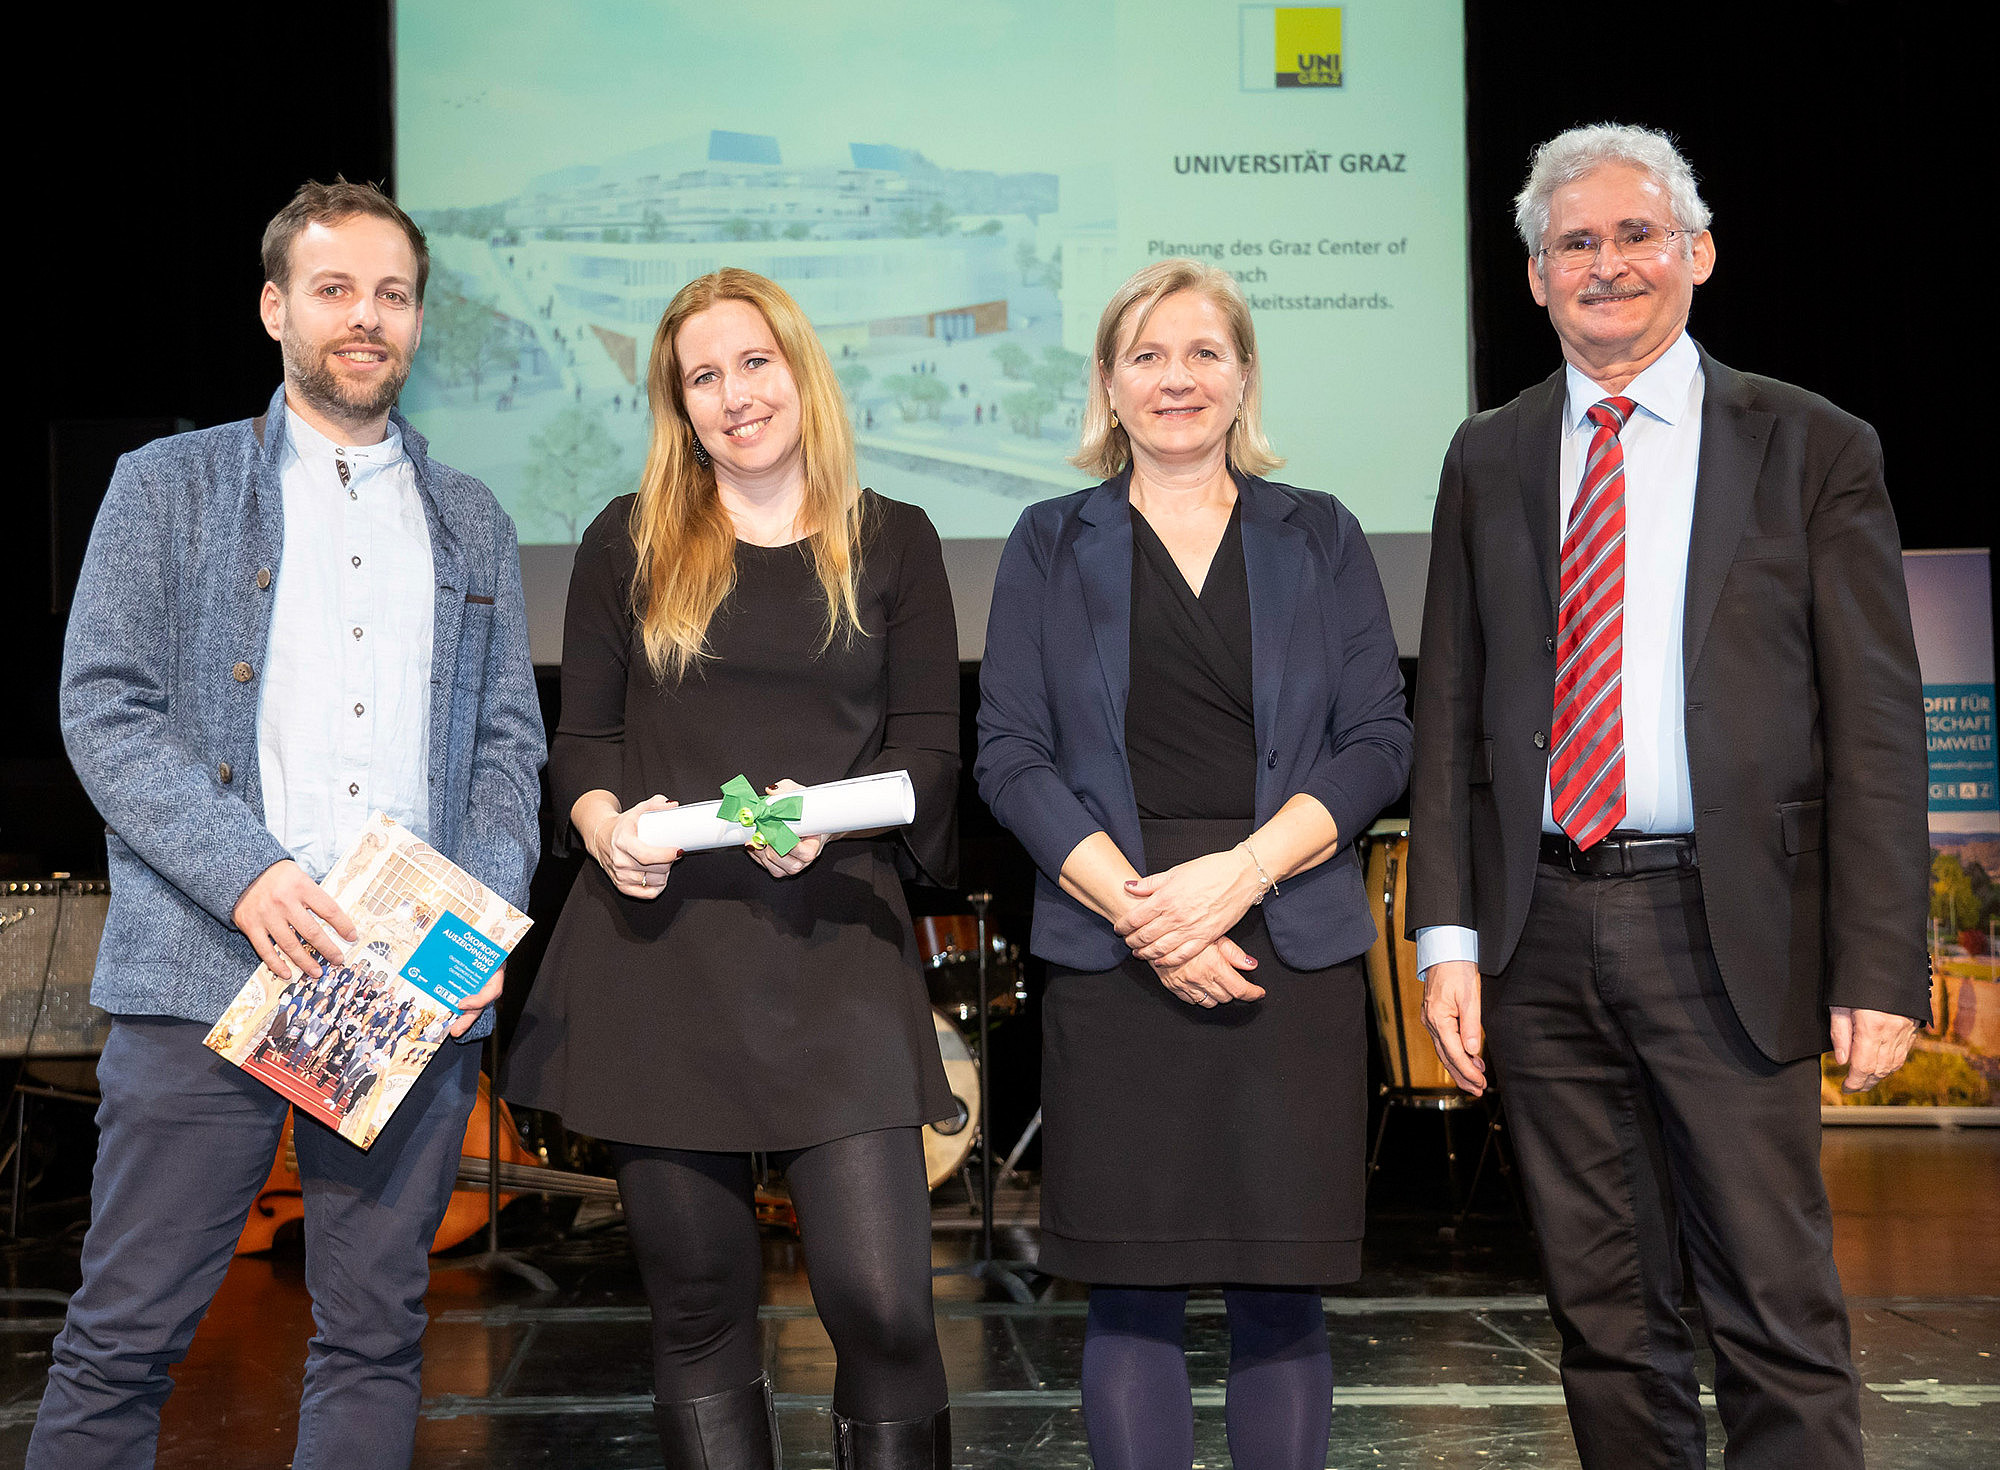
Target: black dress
pixel 1182 1144
pixel 737 1011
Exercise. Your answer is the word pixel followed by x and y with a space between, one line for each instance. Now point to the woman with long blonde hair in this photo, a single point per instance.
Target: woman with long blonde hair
pixel 753 610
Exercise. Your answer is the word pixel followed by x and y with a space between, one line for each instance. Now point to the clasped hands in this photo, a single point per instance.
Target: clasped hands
pixel 640 870
pixel 1179 922
pixel 285 916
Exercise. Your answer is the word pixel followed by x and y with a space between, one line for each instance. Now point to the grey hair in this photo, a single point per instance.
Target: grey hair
pixel 1568 156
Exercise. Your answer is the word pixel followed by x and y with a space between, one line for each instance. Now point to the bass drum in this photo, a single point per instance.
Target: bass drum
pixel 947 1145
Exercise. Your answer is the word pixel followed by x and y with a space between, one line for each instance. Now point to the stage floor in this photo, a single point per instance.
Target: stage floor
pixel 1444 1354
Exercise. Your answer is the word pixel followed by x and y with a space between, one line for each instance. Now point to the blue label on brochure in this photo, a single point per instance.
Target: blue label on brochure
pixel 454 961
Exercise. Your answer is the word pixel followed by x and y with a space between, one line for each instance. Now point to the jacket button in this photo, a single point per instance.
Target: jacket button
pixel 242 673
pixel 223 773
pixel 1541 740
pixel 1271 761
pixel 1548 645
pixel 263 578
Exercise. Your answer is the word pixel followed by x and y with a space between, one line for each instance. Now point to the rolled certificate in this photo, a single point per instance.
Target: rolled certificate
pixel 857 804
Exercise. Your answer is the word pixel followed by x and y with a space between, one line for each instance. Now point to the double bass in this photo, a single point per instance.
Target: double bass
pixel 282 1199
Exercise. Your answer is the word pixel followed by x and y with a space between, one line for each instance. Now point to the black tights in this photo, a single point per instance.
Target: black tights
pixel 1137 1408
pixel 864 1219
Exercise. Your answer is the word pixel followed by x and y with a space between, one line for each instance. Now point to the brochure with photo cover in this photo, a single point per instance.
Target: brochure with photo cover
pixel 345 1046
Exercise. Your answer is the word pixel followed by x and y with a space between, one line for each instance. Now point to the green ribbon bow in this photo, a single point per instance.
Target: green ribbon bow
pixel 765 817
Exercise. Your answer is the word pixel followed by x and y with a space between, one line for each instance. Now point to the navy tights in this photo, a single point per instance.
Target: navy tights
pixel 1137 1406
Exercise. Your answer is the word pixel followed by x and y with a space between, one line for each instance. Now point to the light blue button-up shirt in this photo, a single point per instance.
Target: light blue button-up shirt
pixel 1662 443
pixel 343 720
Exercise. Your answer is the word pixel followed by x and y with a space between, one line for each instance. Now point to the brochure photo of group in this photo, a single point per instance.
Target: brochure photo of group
pixel 331 1044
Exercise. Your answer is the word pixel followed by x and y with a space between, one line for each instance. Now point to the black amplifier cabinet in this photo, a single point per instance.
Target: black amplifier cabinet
pixel 49 933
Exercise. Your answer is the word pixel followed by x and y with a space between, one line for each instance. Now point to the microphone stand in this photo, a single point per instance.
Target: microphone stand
pixel 493 1258
pixel 1006 1274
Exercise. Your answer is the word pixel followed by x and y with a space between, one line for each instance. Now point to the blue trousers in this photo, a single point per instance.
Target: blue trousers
pixel 185 1141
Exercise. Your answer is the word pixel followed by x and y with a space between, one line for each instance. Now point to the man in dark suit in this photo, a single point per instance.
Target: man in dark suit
pixel 1668 801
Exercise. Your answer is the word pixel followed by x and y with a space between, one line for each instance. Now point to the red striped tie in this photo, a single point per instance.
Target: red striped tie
pixel 1587 760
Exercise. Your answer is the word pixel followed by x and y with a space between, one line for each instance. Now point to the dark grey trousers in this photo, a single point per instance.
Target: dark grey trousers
pixel 1646 1122
pixel 185 1141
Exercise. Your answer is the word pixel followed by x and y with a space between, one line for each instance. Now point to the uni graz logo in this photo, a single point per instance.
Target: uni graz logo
pixel 1288 46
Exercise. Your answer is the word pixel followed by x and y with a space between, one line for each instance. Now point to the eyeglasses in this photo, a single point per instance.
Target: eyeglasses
pixel 1635 244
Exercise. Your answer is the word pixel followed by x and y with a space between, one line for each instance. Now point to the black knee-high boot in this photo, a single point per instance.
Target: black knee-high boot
pixel 736 1429
pixel 902 1444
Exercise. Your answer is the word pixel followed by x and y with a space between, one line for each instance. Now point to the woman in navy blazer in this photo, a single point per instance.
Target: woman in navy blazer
pixel 1190 676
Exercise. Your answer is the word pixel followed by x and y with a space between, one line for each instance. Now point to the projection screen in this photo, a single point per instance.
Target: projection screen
pixel 951 192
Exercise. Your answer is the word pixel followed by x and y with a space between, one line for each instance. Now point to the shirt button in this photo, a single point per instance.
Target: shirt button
pixel 357 711
pixel 223 773
pixel 353 788
pixel 243 673
pixel 356 560
pixel 357 632
pixel 1541 740
pixel 263 578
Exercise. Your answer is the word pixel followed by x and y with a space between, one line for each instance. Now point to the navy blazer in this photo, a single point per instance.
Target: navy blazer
pixel 1328 697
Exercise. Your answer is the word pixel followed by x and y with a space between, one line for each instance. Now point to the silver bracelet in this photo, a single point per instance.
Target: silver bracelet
pixel 1266 885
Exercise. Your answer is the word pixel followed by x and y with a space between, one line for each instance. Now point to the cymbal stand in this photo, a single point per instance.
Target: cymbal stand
pixel 493 1258
pixel 1008 1275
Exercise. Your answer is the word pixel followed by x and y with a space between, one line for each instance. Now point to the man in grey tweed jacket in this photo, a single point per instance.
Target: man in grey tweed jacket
pixel 244 588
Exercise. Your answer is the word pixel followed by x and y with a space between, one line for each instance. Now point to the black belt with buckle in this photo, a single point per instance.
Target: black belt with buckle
pixel 1621 855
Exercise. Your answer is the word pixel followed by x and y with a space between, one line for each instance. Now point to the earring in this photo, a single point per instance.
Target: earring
pixel 1114 418
pixel 700 454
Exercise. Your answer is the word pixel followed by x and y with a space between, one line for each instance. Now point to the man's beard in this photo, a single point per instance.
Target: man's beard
pixel 309 366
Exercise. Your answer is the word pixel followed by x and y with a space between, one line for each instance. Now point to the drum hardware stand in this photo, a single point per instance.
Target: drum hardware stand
pixel 1444 1104
pixel 493 1258
pixel 1021 1144
pixel 1496 1145
pixel 1444 1101
pixel 15 1160
pixel 25 1084
pixel 1007 1275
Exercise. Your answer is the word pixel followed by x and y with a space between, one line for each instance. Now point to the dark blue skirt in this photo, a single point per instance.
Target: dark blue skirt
pixel 1184 1145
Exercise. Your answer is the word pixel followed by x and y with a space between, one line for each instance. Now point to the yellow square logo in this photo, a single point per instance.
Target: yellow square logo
pixel 1306 45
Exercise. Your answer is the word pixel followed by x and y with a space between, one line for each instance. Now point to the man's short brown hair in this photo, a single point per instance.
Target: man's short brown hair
pixel 329 204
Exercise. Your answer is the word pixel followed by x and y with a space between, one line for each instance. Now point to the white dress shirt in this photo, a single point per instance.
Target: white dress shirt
pixel 1662 443
pixel 343 720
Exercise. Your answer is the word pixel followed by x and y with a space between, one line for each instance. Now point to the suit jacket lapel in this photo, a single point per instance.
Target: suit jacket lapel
pixel 1104 559
pixel 1734 438
pixel 1274 557
pixel 1538 451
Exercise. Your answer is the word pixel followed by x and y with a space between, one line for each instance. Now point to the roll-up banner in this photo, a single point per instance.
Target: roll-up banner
pixel 1956 1060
